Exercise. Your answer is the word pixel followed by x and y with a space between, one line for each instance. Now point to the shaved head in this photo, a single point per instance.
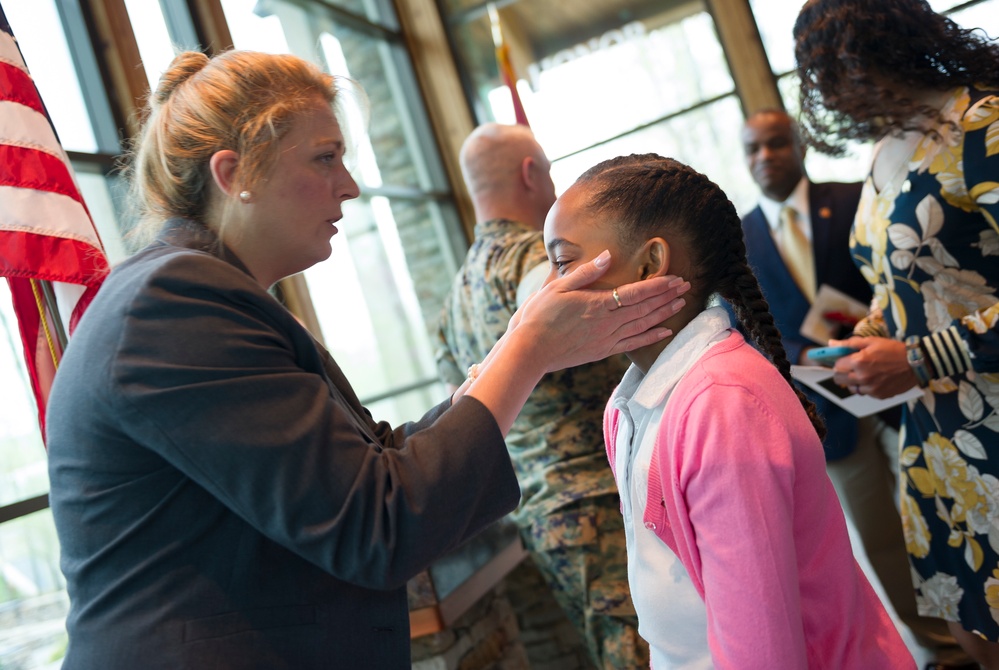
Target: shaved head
pixel 492 154
pixel 504 167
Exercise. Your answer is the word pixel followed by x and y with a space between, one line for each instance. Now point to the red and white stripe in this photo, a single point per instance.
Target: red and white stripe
pixel 46 232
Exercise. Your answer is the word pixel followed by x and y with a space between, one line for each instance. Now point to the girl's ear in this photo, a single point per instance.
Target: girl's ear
pixel 654 258
pixel 223 165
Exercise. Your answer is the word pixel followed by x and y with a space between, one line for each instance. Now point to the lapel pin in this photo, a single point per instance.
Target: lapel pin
pixel 825 212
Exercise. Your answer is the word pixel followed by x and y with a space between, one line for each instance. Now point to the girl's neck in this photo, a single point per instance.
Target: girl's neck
pixel 645 357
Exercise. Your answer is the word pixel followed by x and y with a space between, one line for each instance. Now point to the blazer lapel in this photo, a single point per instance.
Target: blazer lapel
pixel 766 260
pixel 821 210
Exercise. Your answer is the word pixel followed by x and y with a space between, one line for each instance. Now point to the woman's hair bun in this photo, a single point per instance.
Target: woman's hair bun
pixel 184 66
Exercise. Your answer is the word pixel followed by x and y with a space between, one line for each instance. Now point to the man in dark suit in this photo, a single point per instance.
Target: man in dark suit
pixel 797 239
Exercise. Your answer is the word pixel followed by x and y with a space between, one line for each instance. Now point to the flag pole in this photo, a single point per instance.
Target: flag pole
pixel 57 327
pixel 494 24
pixel 505 65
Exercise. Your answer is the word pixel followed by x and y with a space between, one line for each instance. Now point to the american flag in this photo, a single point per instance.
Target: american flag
pixel 50 252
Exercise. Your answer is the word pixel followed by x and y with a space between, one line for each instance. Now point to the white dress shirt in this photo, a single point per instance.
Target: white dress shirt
pixel 671 614
pixel 799 201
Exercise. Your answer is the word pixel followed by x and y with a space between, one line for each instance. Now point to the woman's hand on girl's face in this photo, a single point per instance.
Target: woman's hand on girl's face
pixel 878 369
pixel 570 324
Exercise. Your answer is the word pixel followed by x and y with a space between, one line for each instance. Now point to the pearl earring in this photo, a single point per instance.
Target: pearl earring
pixel 245 196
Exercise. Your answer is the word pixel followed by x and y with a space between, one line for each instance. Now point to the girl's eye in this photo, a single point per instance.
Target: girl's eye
pixel 560 265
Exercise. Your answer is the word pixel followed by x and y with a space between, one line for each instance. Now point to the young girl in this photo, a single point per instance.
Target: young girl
pixel 738 554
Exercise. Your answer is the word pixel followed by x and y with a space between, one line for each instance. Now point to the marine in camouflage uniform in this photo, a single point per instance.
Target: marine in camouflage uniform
pixel 569 516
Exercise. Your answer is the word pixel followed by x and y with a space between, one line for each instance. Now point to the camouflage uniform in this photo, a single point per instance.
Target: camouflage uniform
pixel 569 514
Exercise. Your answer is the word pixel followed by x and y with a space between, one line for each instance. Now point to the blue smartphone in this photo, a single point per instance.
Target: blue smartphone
pixel 828 355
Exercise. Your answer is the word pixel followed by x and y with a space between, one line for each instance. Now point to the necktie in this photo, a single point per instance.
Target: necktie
pixel 797 252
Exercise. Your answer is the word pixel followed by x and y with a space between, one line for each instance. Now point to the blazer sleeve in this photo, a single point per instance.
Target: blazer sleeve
pixel 212 375
pixel 385 434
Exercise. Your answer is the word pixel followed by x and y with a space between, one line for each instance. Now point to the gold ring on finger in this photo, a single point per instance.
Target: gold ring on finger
pixel 617 298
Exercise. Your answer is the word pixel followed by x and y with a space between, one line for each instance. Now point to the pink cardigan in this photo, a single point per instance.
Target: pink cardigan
pixel 739 492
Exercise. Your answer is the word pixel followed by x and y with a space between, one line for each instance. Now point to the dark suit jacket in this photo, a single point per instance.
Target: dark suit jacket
pixel 224 501
pixel 832 207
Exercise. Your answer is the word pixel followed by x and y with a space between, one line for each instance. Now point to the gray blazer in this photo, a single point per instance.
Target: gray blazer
pixel 221 497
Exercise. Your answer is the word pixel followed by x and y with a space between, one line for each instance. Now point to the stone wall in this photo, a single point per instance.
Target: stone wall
pixel 517 626
pixel 484 638
pixel 551 641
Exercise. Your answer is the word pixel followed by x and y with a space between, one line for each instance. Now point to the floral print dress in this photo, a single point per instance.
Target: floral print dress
pixel 929 246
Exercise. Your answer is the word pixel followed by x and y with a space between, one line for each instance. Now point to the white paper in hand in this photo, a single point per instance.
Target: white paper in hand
pixel 828 311
pixel 819 379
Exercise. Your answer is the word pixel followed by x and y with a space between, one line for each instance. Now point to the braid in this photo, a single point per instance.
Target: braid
pixel 742 290
pixel 649 194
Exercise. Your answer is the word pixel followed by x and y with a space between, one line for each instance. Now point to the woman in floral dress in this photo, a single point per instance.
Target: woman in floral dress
pixel 926 237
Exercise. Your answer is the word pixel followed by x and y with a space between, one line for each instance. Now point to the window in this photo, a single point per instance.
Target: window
pixel 637 76
pixel 394 257
pixel 46 52
pixel 33 599
pixel 152 36
pixel 983 14
pixel 33 602
pixel 631 77
pixel 391 266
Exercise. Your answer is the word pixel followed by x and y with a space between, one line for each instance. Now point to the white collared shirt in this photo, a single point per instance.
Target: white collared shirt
pixel 671 614
pixel 798 200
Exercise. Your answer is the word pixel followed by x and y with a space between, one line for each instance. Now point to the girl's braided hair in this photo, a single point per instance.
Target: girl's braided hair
pixel 649 195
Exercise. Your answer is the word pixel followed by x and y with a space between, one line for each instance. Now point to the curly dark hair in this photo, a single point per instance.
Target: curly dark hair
pixel 847 49
pixel 651 195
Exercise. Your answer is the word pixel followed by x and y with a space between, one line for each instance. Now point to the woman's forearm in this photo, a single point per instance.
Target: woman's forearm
pixel 506 379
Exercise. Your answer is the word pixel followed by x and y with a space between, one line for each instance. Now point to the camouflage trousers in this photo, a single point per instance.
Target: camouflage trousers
pixel 581 551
